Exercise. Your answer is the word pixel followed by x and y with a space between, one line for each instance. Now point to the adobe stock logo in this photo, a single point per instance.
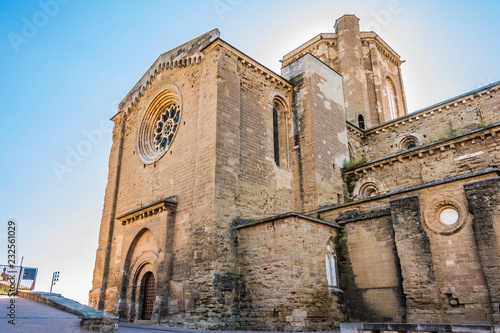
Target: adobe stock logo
pixel 85 147
pixel 383 17
pixel 30 27
pixel 224 6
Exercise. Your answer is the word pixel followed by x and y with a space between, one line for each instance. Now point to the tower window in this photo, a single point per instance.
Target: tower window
pixel 361 122
pixel 392 99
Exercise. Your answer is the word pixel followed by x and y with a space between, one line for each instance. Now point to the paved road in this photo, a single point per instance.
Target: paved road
pixel 32 316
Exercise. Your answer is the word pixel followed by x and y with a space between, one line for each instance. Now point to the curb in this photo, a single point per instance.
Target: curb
pixel 90 318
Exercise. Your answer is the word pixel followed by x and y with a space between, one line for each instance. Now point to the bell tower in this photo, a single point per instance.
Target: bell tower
pixel 370 70
pixel 350 54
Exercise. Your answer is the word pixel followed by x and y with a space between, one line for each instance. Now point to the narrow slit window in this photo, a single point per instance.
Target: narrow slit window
pixel 276 137
pixel 331 265
pixel 391 94
pixel 361 122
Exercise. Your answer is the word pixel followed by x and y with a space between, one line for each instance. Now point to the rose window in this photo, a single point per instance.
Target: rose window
pixel 166 127
pixel 159 125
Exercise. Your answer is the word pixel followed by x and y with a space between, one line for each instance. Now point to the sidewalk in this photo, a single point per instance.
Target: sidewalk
pixel 32 316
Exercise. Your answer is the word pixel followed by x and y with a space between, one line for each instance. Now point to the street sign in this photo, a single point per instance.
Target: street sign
pixel 29 273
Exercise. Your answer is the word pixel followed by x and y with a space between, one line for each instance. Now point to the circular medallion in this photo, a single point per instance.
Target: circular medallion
pixel 445 215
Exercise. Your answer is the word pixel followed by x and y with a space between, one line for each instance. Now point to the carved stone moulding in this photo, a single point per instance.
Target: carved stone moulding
pixel 159 125
pixel 446 215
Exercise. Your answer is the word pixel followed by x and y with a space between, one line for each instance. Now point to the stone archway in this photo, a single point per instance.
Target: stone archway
pixel 141 261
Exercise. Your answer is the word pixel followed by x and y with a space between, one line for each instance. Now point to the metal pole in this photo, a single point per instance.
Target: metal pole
pixel 20 274
pixel 52 283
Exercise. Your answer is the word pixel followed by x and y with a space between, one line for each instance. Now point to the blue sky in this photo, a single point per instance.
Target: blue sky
pixel 65 65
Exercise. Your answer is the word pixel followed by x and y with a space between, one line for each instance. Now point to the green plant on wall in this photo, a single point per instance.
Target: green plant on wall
pixel 351 179
pixel 354 164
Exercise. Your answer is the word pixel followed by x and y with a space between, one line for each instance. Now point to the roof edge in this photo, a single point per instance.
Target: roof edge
pixel 283 216
pixel 179 56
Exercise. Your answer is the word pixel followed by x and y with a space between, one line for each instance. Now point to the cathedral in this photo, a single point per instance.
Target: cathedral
pixel 239 198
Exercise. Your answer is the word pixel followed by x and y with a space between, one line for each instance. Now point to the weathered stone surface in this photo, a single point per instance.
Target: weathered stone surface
pixel 402 327
pixel 417 269
pixel 91 319
pixel 484 203
pixel 234 220
pixel 282 263
pixel 369 271
pixel 320 134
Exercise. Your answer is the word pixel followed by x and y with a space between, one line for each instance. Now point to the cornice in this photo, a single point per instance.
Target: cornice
pixel 430 111
pixel 184 55
pixel 382 47
pixel 148 210
pixel 304 48
pixel 162 66
pixel 354 130
pixel 429 149
pixel 246 224
pixel 490 170
pixel 310 47
pixel 250 63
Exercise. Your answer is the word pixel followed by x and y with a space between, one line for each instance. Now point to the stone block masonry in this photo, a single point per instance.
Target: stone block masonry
pixel 484 204
pixel 279 261
pixel 423 302
pixel 238 198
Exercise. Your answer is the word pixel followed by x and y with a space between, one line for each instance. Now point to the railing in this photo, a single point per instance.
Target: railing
pixel 9 278
pixel 408 327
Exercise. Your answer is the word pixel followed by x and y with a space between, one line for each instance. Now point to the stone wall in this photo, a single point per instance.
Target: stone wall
pixel 319 132
pixel 451 118
pixel 443 273
pixel 369 271
pixel 455 156
pixel 283 264
pixel 484 203
pixel 187 165
pixel 263 188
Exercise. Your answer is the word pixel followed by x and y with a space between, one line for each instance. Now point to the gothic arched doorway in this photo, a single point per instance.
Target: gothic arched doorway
pixel 148 295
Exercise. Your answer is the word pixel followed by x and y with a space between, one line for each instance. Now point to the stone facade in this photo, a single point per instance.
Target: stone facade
pixel 298 201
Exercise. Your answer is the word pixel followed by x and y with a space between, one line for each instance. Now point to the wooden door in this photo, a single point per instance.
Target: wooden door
pixel 148 297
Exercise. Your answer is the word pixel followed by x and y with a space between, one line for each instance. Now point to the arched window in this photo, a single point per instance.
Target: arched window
pixel 409 142
pixel 351 152
pixel 281 132
pixel 361 122
pixel 368 190
pixel 368 187
pixel 276 136
pixel 391 95
pixel 331 265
